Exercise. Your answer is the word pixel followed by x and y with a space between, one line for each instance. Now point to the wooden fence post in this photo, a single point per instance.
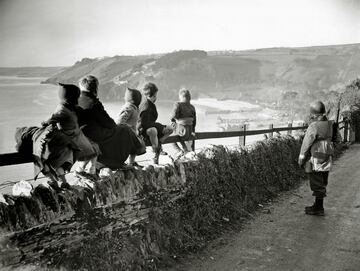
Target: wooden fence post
pixel 193 145
pixel 351 134
pixel 271 127
pixel 290 126
pixel 346 128
pixel 242 139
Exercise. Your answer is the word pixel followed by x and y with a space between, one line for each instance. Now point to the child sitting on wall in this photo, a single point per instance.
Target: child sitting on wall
pixel 129 115
pixel 66 120
pixel 51 150
pixel 183 121
pixel 152 131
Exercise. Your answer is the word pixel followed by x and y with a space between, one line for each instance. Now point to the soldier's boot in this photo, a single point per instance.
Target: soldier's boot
pixel 316 209
pixel 310 207
pixel 318 202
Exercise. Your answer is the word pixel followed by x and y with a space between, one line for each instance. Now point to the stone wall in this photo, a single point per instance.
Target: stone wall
pixel 121 187
pixel 139 219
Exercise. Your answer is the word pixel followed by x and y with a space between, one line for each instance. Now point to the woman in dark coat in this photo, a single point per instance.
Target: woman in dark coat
pixel 116 142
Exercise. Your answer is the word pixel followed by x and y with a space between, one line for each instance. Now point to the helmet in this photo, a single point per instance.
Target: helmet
pixel 317 108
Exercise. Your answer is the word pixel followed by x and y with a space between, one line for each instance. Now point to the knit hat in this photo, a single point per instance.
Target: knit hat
pixel 69 93
pixel 133 96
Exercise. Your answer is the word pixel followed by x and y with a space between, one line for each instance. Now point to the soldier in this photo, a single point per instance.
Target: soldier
pixel 316 154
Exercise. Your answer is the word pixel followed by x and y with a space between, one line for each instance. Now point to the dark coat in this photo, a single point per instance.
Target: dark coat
pixel 183 120
pixel 147 116
pixel 50 148
pixel 116 142
pixel 95 122
pixel 116 150
pixel 65 117
pixel 182 111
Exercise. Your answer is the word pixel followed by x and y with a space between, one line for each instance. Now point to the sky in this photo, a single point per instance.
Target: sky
pixel 61 32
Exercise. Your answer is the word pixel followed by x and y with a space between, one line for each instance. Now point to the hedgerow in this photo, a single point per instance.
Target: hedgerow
pixel 223 186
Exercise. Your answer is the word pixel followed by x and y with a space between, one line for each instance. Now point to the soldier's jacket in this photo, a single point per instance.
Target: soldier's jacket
pixel 317 147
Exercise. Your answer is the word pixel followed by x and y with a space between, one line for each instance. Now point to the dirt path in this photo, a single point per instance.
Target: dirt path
pixel 282 237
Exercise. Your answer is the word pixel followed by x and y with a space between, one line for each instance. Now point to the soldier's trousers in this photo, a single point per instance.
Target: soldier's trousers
pixel 318 183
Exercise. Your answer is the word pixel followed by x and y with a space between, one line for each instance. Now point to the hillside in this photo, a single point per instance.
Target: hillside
pixel 262 75
pixel 106 69
pixel 30 71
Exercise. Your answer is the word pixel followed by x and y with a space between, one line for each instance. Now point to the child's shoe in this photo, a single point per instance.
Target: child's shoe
pixel 178 155
pixel 161 151
pixel 156 152
pixel 83 174
pixel 65 185
pixel 135 164
pixel 126 166
pixel 156 157
pixel 54 185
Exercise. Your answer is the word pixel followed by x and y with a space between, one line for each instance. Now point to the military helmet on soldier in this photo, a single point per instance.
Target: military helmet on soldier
pixel 317 108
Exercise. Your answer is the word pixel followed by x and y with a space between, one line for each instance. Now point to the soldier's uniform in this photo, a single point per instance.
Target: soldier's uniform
pixel 316 155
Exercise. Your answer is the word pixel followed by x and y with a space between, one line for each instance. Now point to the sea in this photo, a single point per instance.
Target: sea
pixel 27 102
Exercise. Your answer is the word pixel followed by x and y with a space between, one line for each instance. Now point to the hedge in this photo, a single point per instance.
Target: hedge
pixel 223 186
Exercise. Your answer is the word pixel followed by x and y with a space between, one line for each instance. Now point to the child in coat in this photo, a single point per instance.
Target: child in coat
pixel 183 121
pixel 153 132
pixel 66 119
pixel 129 115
